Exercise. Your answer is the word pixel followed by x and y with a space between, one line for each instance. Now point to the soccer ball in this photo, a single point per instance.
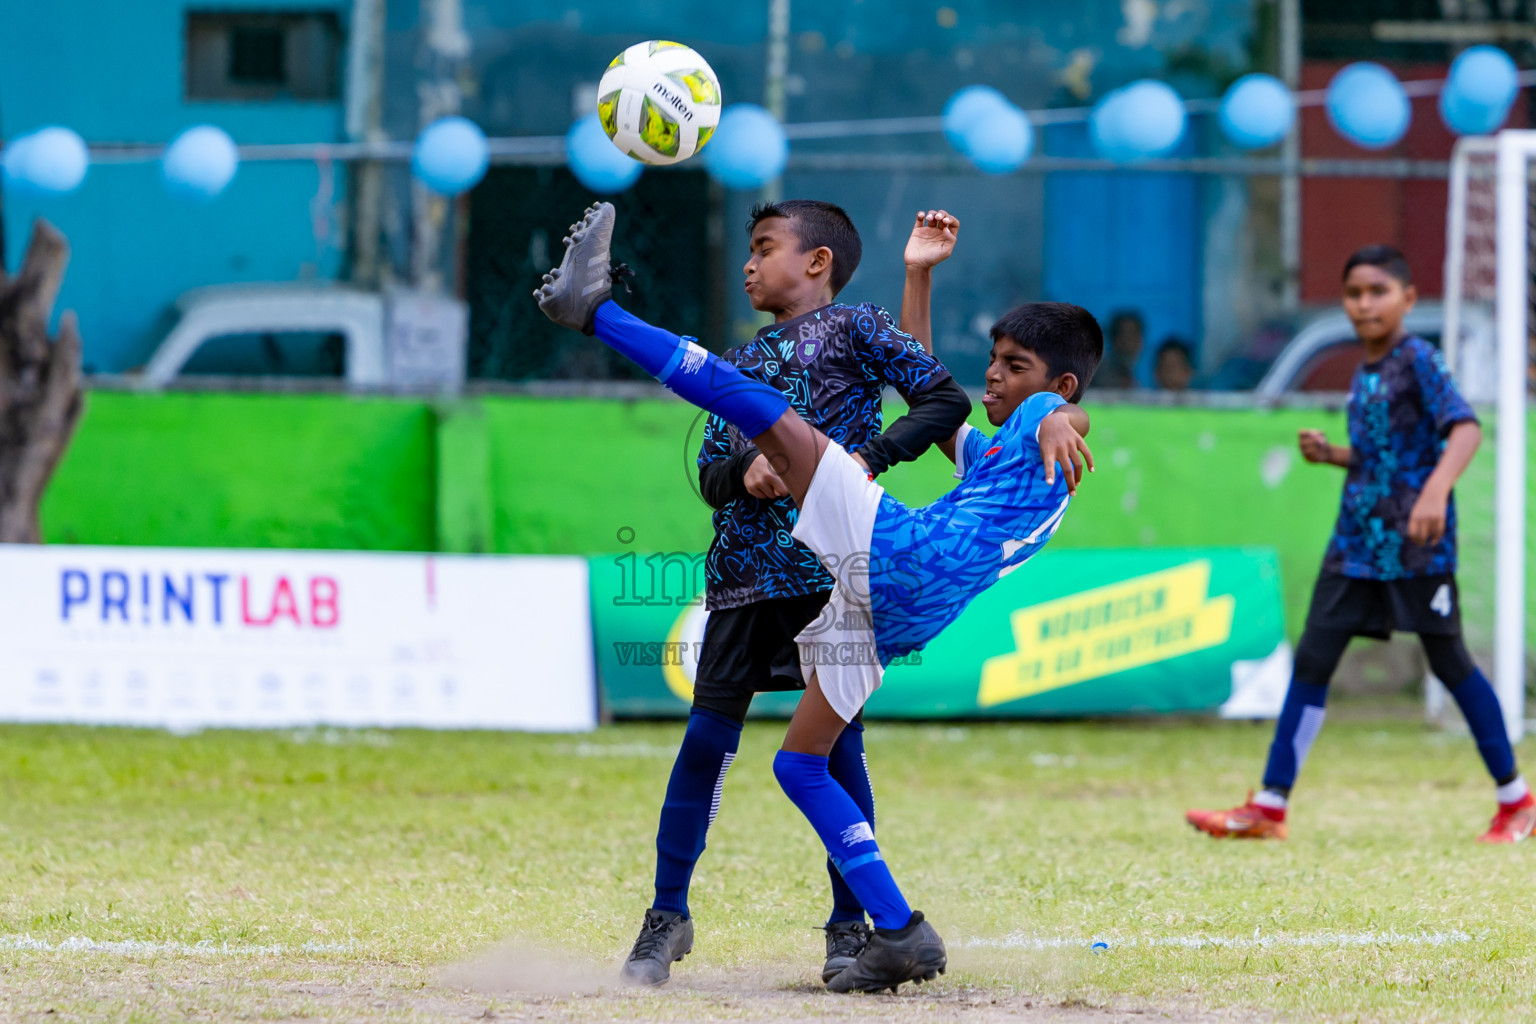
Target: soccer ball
pixel 659 102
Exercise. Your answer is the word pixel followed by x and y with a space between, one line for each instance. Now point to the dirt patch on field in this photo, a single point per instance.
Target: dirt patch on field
pixel 523 984
pixel 506 986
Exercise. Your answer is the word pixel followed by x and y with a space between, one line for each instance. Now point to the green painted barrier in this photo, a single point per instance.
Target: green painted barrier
pixel 247 471
pixel 1072 633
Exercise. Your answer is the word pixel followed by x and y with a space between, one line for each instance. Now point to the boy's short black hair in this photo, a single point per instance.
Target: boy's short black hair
pixel 1125 316
pixel 818 224
pixel 1388 258
pixel 1173 343
pixel 1065 336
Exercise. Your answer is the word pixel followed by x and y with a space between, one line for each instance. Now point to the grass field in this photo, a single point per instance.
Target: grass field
pixel 325 875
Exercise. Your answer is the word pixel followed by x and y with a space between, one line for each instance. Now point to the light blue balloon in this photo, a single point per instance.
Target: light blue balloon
pixel 1144 119
pixel 748 150
pixel 1257 111
pixel 51 161
pixel 1104 129
pixel 597 163
pixel 1366 104
pixel 1464 117
pixel 999 141
pixel 200 163
pixel 451 155
pixel 1486 76
pixel 968 106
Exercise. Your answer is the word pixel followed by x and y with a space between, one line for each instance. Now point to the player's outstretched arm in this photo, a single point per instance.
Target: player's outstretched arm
pixel 932 241
pixel 1426 521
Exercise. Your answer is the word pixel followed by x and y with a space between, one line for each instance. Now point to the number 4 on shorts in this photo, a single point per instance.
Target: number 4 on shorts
pixel 1441 602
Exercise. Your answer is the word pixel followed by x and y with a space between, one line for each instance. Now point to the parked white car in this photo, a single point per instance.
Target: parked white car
pixel 401 339
pixel 1322 357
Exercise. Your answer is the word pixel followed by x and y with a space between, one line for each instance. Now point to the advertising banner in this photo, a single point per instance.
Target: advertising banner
pixel 1076 632
pixel 187 638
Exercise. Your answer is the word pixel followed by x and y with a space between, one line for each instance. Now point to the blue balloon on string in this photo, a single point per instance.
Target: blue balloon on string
pixel 1465 117
pixel 1479 92
pixel 1144 119
pixel 451 155
pixel 200 163
pixel 51 161
pixel 1257 111
pixel 597 163
pixel 1104 129
pixel 966 108
pixel 749 148
pixel 1366 104
pixel 1000 140
pixel 1485 75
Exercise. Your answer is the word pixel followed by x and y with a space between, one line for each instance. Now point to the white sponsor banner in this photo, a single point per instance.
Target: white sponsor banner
pixel 186 638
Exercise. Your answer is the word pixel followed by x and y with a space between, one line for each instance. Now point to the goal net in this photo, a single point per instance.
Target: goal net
pixel 1489 291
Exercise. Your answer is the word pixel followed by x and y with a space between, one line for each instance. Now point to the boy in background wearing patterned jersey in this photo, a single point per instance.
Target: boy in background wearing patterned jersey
pixel 1391 562
pixel 902 574
pixel 832 362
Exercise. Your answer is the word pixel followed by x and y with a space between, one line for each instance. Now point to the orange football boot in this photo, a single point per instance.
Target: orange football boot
pixel 1250 821
pixel 1513 822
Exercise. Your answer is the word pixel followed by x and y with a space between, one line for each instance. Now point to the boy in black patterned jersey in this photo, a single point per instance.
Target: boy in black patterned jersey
pixel 763 588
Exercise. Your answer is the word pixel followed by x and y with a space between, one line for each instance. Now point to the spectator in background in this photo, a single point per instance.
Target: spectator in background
pixel 1175 367
pixel 1126 337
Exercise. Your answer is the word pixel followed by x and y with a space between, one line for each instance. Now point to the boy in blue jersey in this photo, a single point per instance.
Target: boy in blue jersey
pixel 763 588
pixel 1391 562
pixel 902 574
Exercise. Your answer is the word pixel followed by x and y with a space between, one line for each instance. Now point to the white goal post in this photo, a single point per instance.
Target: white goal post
pixel 1488 238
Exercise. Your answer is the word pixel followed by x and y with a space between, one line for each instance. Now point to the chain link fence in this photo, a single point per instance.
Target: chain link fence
pixel 670 238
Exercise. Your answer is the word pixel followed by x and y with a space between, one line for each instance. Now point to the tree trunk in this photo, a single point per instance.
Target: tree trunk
pixel 40 398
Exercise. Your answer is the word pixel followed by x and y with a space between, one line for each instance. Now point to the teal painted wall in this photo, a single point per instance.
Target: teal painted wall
pixel 113 72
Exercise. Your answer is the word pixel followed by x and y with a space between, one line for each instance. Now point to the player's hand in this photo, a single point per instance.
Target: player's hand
pixel 762 482
pixel 1314 446
pixel 856 457
pixel 933 239
pixel 1426 523
pixel 1060 443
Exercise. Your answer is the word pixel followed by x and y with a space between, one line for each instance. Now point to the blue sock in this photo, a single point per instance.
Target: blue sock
pixel 848 837
pixel 1300 720
pixel 690 372
pixel 849 769
pixel 693 797
pixel 1485 718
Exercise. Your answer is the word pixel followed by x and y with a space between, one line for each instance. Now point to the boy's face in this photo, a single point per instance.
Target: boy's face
pixel 1376 303
pixel 1013 374
pixel 1173 371
pixel 779 275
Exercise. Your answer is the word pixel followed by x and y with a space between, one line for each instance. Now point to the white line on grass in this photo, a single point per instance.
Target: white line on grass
pixel 1256 941
pixel 142 947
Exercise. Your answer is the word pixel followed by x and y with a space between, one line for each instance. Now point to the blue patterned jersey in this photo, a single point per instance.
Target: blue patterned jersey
pixel 927 564
pixel 1400 410
pixel 832 365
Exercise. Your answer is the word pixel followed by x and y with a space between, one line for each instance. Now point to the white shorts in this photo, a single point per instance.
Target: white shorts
pixel 837 522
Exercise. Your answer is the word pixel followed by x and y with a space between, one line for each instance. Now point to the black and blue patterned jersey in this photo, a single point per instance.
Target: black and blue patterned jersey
pixel 1401 408
pixel 832 364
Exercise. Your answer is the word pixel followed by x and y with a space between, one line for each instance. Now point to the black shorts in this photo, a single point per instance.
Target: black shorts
pixel 752 649
pixel 1376 608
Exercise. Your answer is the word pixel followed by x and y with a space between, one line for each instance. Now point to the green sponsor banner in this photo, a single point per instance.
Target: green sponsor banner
pixel 1085 632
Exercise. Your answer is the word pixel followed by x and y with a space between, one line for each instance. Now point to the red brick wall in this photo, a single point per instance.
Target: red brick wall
pixel 1338 215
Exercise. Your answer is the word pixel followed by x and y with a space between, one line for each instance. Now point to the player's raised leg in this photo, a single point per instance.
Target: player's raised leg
pixel 579 293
